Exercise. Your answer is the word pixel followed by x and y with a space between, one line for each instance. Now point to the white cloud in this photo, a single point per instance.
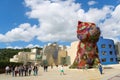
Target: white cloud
pixel 24 32
pixel 32 46
pixel 58 21
pixel 92 2
pixel 28 46
pixel 111 26
pixel 94 14
pixel 16 47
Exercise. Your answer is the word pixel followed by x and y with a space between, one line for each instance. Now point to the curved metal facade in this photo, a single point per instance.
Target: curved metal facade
pixel 107 53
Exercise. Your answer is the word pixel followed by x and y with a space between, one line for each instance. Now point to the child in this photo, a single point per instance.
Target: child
pixel 62 70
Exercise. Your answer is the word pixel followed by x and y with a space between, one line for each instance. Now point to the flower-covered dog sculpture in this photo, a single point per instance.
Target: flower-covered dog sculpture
pixel 87 52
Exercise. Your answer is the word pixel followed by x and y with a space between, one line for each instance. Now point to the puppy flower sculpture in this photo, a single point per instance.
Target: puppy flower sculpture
pixel 87 51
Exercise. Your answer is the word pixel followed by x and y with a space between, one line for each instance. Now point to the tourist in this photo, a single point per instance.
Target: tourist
pixel 25 70
pixel 7 68
pixel 100 68
pixel 62 70
pixel 45 67
pixel 35 70
pixel 10 69
pixel 16 70
pixel 21 69
pixel 13 70
pixel 29 69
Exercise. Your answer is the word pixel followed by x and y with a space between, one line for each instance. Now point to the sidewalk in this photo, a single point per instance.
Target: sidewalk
pixel 76 74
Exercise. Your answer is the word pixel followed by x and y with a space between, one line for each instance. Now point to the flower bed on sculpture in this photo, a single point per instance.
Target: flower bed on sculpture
pixel 87 51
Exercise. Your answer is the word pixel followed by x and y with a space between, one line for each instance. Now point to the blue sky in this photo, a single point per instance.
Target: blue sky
pixel 29 23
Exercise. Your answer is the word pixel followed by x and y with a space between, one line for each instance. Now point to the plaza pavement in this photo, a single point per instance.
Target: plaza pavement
pixel 111 72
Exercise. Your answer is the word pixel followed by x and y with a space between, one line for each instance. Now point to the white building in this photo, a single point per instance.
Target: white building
pixel 25 57
pixel 72 51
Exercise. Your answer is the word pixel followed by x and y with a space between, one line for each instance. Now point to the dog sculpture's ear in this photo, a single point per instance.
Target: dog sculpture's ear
pixel 79 22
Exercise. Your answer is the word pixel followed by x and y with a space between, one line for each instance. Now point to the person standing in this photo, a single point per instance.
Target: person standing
pixel 26 70
pixel 21 70
pixel 7 68
pixel 100 68
pixel 62 70
pixel 35 70
pixel 29 69
pixel 13 70
pixel 45 68
pixel 16 70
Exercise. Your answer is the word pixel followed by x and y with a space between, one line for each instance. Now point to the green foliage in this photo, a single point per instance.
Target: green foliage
pixel 4 64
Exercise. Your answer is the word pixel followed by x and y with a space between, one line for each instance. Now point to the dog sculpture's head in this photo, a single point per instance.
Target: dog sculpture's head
pixel 87 32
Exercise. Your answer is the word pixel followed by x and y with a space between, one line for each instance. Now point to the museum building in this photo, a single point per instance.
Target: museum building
pixel 107 52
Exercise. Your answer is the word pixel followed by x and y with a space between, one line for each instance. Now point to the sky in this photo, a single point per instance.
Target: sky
pixel 35 23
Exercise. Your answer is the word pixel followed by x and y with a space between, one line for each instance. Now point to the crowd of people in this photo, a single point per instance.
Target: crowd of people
pixel 27 70
pixel 22 70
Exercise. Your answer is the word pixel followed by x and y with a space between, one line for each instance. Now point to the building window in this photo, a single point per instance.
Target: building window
pixel 104 60
pixel 111 52
pixel 103 52
pixel 111 59
pixel 103 45
pixel 110 46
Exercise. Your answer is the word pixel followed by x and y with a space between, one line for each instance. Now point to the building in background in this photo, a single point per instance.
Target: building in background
pixel 61 55
pixel 72 51
pixel 35 56
pixel 55 54
pixel 107 51
pixel 117 46
pixel 51 54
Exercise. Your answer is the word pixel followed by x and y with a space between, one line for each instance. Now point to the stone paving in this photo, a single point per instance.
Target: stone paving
pixel 70 74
